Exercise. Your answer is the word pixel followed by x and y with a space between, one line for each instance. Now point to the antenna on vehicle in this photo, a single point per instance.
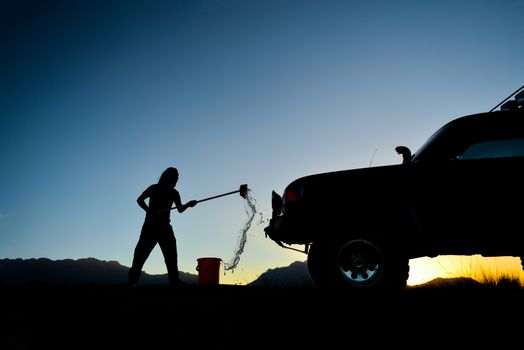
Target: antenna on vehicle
pixel 507 98
pixel 372 157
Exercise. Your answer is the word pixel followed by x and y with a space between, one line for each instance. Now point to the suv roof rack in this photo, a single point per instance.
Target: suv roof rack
pixel 517 103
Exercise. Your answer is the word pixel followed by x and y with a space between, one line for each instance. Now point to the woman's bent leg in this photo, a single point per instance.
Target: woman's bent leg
pixel 142 250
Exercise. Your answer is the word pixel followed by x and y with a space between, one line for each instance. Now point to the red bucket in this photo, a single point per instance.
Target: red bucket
pixel 209 270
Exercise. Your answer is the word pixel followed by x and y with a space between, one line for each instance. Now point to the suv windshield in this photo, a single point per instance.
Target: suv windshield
pixel 437 146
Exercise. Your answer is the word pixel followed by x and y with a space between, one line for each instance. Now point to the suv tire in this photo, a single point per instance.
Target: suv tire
pixel 356 264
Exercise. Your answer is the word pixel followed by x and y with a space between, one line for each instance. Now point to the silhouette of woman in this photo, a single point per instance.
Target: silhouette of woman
pixel 157 226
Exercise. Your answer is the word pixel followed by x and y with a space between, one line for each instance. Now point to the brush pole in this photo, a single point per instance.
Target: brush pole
pixel 203 200
pixel 220 195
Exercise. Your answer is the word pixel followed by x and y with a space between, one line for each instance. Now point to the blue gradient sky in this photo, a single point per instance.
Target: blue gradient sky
pixel 97 98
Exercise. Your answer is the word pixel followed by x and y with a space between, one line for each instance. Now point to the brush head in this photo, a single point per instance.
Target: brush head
pixel 243 191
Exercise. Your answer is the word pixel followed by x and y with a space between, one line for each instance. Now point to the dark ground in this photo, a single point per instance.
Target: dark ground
pixel 225 316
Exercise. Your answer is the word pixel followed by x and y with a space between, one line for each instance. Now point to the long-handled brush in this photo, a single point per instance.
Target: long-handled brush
pixel 243 190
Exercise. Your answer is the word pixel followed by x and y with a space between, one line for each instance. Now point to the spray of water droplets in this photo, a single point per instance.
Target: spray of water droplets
pixel 251 211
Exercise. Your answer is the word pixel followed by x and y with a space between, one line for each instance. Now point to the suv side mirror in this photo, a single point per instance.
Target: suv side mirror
pixel 406 153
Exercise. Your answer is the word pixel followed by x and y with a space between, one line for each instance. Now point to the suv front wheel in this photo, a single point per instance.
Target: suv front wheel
pixel 357 264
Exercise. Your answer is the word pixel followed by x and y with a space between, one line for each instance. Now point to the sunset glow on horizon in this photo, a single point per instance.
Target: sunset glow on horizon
pixel 479 268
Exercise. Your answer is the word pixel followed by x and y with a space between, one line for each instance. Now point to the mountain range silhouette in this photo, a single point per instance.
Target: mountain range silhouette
pixel 95 271
pixel 81 271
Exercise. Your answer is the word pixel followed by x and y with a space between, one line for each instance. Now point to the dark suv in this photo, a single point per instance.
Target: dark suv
pixel 461 193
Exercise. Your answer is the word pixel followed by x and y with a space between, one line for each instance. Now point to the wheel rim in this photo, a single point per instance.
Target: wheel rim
pixel 360 262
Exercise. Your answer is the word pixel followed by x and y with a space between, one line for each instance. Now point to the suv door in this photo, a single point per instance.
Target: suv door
pixel 475 201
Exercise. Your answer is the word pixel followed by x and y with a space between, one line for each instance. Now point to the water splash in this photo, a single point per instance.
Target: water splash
pixel 251 211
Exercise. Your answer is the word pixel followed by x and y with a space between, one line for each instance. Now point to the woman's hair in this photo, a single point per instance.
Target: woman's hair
pixel 169 177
